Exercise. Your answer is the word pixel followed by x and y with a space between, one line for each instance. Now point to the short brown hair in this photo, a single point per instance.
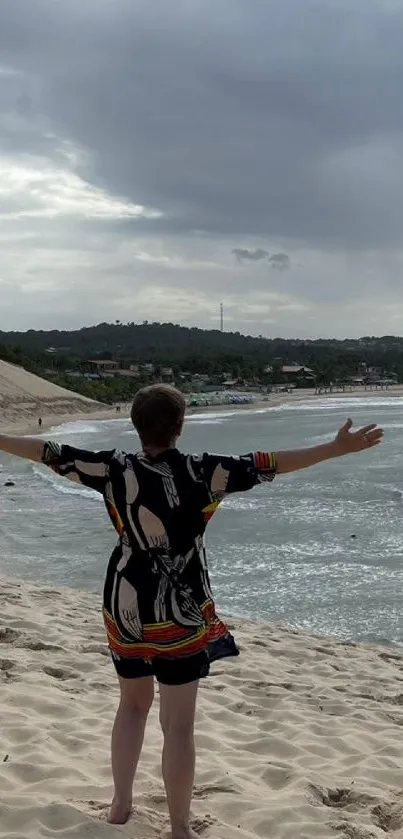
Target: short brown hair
pixel 157 414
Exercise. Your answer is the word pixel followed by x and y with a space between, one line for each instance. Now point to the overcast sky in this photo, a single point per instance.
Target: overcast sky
pixel 158 157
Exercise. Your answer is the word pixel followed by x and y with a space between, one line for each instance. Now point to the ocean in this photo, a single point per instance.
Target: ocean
pixel 320 549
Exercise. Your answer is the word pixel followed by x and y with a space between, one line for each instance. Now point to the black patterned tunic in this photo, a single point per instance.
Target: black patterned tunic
pixel 157 595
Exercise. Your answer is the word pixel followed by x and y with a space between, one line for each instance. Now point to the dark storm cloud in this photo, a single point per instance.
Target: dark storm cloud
pixel 279 261
pixel 233 117
pixel 246 255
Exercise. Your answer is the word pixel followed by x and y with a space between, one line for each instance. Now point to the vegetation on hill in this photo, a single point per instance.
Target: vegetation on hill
pixel 60 355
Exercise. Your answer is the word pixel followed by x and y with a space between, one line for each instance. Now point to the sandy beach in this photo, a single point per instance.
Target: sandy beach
pixel 24 397
pixel 298 738
pixel 26 421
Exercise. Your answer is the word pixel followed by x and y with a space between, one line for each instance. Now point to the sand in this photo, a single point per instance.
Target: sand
pixel 26 423
pixel 300 737
pixel 24 396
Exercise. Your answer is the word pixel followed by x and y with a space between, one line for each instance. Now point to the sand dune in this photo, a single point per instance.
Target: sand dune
pixel 24 395
pixel 299 738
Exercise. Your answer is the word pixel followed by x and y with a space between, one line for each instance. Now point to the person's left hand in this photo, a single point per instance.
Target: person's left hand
pixel 348 441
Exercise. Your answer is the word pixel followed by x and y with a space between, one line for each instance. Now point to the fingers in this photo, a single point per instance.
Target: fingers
pixel 346 427
pixel 372 437
pixel 364 438
pixel 369 444
pixel 365 430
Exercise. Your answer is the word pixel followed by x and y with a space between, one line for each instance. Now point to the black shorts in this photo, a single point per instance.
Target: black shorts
pixel 167 671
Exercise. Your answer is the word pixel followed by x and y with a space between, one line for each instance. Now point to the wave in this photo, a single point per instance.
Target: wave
pixel 85 426
pixel 338 402
pixel 73 428
pixel 394 492
pixel 209 415
pixel 223 414
pixel 326 404
pixel 241 503
pixel 63 485
pixel 210 421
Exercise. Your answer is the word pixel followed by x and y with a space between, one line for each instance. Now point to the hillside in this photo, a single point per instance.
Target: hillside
pixel 168 342
pixel 56 354
pixel 24 395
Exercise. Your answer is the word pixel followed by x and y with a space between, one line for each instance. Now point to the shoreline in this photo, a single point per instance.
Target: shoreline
pixel 234 622
pixel 299 736
pixel 29 425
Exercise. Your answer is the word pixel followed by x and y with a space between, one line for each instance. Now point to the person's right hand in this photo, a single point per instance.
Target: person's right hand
pixel 348 442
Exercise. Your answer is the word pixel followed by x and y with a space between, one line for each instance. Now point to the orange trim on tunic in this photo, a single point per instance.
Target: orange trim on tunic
pixel 167 639
pixel 209 511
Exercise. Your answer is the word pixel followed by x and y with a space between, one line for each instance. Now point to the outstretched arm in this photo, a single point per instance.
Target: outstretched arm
pixel 225 474
pixel 345 442
pixel 80 465
pixel 28 447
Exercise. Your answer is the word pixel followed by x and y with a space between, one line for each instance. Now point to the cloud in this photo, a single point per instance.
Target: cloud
pixel 141 142
pixel 279 261
pixel 245 255
pixel 31 187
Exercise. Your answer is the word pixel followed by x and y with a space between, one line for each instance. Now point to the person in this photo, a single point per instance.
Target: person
pixel 40 422
pixel 158 607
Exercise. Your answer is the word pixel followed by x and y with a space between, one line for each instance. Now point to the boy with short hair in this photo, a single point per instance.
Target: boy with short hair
pixel 158 606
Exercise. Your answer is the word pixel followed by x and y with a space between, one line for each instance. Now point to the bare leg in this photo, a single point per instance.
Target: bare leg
pixel 136 697
pixel 177 713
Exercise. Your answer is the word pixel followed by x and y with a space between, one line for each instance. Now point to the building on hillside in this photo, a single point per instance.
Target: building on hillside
pixel 147 369
pixel 199 382
pixel 374 376
pixel 298 372
pixel 293 373
pixel 100 367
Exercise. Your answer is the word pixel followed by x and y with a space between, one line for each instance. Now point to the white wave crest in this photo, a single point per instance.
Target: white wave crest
pixel 63 485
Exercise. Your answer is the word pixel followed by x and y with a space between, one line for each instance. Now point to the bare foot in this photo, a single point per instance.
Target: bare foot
pixel 119 813
pixel 189 833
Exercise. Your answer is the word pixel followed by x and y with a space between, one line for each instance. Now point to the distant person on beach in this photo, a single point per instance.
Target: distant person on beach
pixel 158 606
pixel 40 422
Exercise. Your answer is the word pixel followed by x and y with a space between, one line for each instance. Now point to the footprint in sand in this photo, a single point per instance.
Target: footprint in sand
pixel 6 669
pixel 390 657
pixel 389 816
pixel 342 798
pixel 348 830
pixel 37 646
pixel 97 809
pixel 157 798
pixel 201 824
pixel 204 790
pixel 6 665
pixel 59 673
pixel 100 649
pixel 325 651
pixel 8 636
